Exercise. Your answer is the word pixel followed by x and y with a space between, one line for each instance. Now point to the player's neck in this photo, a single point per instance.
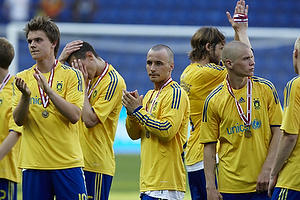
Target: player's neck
pixel 159 85
pixel 297 68
pixel 100 63
pixel 237 82
pixel 3 73
pixel 45 65
pixel 202 61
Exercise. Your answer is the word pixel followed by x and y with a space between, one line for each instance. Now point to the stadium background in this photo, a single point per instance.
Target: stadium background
pixel 128 53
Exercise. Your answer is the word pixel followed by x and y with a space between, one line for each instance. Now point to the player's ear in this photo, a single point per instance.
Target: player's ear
pixel 208 46
pixel 228 63
pixel 295 53
pixel 89 55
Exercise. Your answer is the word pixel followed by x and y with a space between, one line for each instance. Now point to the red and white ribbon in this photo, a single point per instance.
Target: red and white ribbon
pixel 90 91
pixel 246 119
pixel 240 18
pixel 5 80
pixel 169 80
pixel 45 97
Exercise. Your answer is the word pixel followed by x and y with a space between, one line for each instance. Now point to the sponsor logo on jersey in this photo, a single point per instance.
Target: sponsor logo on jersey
pixel 240 128
pixel 36 100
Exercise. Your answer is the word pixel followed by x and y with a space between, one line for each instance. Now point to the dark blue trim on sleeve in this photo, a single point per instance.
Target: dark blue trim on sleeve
pixel 275 125
pixel 211 142
pixel 137 109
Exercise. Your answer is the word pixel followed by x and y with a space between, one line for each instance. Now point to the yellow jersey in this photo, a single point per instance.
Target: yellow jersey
pixel 163 133
pixel 198 81
pixel 51 142
pixel 289 176
pixel 9 164
pixel 240 157
pixel 97 142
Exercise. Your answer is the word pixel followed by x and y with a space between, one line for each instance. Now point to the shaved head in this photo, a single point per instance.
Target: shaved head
pixel 232 50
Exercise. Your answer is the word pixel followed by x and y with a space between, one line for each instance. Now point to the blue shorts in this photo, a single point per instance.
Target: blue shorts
pixel 285 194
pixel 146 197
pixel 8 190
pixel 66 184
pixel 98 185
pixel 197 184
pixel 246 196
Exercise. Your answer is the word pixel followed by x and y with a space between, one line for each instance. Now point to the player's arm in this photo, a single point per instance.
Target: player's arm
pixel 67 109
pixel 239 22
pixel 172 113
pixel 132 101
pixel 285 148
pixel 133 127
pixel 8 143
pixel 264 176
pixel 89 117
pixel 209 170
pixel 70 111
pixel 20 113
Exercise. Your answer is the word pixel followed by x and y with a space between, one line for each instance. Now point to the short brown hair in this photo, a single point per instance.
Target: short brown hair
pixel 7 53
pixel 165 47
pixel 45 24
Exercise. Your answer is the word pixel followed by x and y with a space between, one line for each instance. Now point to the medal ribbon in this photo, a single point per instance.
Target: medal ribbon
pixel 246 120
pixel 169 80
pixel 6 79
pixel 45 97
pixel 90 92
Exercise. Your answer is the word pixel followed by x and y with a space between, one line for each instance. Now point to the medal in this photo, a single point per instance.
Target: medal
pixel 248 133
pixel 45 114
pixel 147 134
pixel 45 97
pixel 169 80
pixel 246 119
pixel 90 91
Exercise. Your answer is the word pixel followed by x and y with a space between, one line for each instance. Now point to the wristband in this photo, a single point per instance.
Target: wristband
pixel 240 18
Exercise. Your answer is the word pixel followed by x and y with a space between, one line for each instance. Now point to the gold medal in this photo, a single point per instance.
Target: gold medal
pixel 45 114
pixel 248 133
pixel 147 134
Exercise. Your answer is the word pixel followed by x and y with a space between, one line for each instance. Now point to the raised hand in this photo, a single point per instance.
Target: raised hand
pixel 131 100
pixel 41 80
pixel 22 86
pixel 242 9
pixel 77 64
pixel 68 49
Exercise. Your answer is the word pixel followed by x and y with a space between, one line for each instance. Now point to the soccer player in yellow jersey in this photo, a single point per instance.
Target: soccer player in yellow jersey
pixel 244 114
pixel 47 101
pixel 160 120
pixel 286 168
pixel 199 79
pixel 10 133
pixel 100 114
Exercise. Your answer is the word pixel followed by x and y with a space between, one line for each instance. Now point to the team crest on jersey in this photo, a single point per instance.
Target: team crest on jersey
pixel 95 93
pixel 1 101
pixel 59 86
pixel 256 103
pixel 155 105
